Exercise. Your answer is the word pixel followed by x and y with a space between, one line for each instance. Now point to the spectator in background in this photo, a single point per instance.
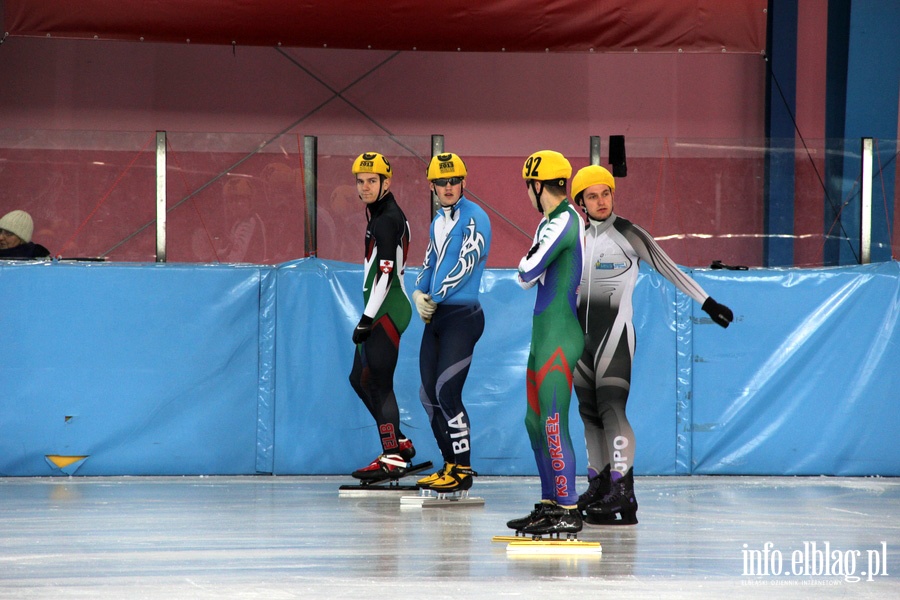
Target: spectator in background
pixel 334 218
pixel 16 228
pixel 246 240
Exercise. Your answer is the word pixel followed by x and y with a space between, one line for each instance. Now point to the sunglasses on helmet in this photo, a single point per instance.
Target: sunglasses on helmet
pixel 444 181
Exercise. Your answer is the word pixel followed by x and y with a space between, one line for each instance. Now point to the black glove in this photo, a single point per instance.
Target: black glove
pixel 720 313
pixel 363 330
pixel 532 251
pixel 718 264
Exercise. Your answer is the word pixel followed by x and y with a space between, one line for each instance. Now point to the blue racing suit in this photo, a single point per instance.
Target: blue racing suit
pixel 460 238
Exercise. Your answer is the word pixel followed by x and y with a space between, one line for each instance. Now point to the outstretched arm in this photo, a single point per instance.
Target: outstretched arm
pixel 649 251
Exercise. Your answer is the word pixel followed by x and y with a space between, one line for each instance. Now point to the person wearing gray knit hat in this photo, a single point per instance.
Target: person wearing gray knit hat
pixel 16 228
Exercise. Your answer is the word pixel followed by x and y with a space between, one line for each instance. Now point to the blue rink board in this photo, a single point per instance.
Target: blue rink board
pixel 224 369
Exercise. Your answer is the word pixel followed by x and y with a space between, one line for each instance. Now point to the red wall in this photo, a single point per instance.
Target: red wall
pixel 682 115
pixel 809 201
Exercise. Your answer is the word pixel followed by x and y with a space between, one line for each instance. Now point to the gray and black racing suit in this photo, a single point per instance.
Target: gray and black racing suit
pixel 612 254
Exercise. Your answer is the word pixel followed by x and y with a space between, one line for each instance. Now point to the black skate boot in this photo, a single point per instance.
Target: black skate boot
pixel 537 513
pixel 618 507
pixel 598 487
pixel 555 521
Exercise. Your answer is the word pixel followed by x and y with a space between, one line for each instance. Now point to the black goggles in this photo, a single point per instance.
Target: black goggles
pixel 445 181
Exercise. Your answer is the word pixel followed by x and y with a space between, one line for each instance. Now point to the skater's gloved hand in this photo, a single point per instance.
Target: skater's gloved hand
pixel 720 313
pixel 425 305
pixel 532 251
pixel 363 330
pixel 526 285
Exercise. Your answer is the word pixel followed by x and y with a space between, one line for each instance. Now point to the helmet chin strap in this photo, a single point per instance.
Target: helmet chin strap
pixel 381 191
pixel 453 207
pixel 537 195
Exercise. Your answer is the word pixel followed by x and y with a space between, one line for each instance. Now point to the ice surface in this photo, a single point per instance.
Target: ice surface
pixel 293 537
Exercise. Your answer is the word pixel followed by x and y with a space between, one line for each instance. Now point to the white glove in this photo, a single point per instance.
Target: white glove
pixel 425 305
pixel 525 285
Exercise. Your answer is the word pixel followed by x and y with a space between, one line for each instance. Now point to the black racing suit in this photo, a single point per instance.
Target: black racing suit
pixel 372 377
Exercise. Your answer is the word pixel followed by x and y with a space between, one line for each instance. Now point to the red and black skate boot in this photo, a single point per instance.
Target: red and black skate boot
pixel 388 466
pixel 618 507
pixel 405 449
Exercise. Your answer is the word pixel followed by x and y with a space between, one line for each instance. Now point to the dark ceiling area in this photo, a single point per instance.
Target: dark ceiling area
pixel 423 25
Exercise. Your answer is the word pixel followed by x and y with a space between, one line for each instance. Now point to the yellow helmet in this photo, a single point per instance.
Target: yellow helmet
pixel 546 165
pixel 588 176
pixel 445 166
pixel 372 162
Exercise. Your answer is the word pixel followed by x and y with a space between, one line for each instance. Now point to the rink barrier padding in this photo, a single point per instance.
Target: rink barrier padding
pixel 186 369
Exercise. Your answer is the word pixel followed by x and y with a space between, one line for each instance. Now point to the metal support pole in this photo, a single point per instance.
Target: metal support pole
pixel 160 196
pixel 865 205
pixel 310 177
pixel 595 149
pixel 437 147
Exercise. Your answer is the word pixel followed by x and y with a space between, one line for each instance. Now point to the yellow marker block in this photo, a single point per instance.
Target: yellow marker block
pixel 549 547
pixel 64 461
pixel 556 544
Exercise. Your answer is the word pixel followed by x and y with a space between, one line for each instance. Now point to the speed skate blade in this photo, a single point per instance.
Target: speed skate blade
pixel 428 499
pixel 368 491
pixel 380 488
pixel 524 537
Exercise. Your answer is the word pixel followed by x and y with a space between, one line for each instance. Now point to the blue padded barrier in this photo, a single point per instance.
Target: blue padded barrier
pixel 323 427
pixel 809 384
pixel 144 369
pixel 265 431
pixel 224 369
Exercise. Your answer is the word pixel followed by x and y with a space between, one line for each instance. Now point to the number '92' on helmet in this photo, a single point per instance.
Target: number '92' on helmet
pixel 547 165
